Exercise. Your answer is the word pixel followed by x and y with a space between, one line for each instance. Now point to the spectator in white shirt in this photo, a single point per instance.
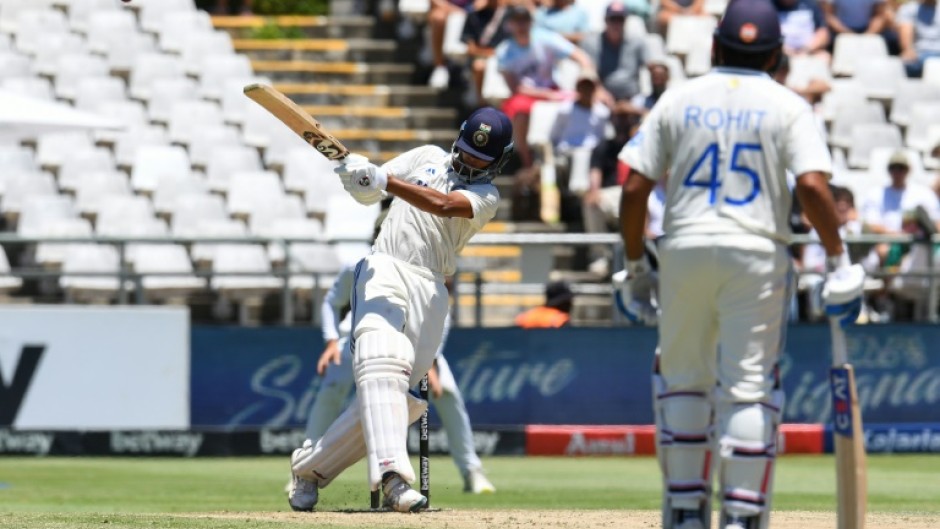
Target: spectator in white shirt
pixel 884 209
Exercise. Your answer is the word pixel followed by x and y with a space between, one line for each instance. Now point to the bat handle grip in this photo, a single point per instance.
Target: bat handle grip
pixel 840 351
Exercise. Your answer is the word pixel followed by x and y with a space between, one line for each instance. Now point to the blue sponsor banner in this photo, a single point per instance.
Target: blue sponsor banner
pixel 244 377
pixel 895 439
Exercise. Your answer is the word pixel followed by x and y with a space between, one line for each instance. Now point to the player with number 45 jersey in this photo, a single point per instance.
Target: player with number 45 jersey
pixel 726 141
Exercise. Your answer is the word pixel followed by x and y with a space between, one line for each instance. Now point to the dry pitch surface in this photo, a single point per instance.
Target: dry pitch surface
pixel 583 519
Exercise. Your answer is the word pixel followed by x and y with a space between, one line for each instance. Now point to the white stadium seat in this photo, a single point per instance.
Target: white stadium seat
pixel 36 87
pixel 84 161
pixel 243 258
pixel 200 47
pixel 868 137
pixel 13 64
pixel 48 50
pixel 153 11
pixel 80 11
pixel 177 26
pixel 204 253
pixel 910 92
pixel 96 259
pixel 495 88
pixel 53 254
pixel 923 115
pixel 33 25
pixel 217 69
pixel 92 92
pixel 234 102
pixel 303 168
pixel 93 189
pixel 151 66
pixel 166 259
pixel 880 76
pixel 53 147
pixel 200 146
pixel 123 56
pixel 192 209
pixel 40 211
pixel 14 158
pixel 110 28
pixel 686 32
pixel 153 163
pixel 7 281
pixel 252 191
pixel 167 92
pixel 130 114
pixel 226 160
pixel 453 46
pixel 172 188
pixel 22 187
pixel 805 69
pixel 850 115
pixel 73 67
pixel 850 49
pixel 348 220
pixel 931 74
pixel 188 118
pixel 128 142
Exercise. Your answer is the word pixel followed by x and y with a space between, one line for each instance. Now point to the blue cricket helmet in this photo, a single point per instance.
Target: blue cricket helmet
pixel 487 135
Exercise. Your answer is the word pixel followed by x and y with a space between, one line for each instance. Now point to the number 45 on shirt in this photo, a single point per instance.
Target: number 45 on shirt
pixel 705 173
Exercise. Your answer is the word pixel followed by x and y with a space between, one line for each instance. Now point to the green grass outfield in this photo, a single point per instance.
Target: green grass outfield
pixel 117 493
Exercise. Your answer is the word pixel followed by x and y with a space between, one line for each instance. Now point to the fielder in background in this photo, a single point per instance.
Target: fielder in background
pixel 727 139
pixel 335 366
pixel 399 301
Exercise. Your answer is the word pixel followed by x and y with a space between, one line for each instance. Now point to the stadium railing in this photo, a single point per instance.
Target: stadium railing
pixel 478 288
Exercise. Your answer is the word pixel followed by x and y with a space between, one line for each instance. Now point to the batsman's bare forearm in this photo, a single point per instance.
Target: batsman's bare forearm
pixel 430 200
pixel 813 191
pixel 633 211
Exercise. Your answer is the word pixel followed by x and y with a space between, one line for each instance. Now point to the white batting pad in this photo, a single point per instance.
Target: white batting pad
pixel 747 438
pixel 342 445
pixel 384 360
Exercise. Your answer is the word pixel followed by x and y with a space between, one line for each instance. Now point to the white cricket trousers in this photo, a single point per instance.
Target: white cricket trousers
pixel 723 318
pixel 338 383
pixel 398 314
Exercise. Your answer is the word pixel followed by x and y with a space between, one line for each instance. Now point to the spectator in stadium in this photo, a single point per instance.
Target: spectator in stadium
pixel 527 61
pixel 812 91
pixel 883 209
pixel 813 258
pixel 618 56
pixel 482 31
pixel 580 123
pixel 671 8
pixel 855 16
pixel 556 312
pixel 564 17
pixel 600 205
pixel 641 104
pixel 437 22
pixel 919 32
pixel 804 28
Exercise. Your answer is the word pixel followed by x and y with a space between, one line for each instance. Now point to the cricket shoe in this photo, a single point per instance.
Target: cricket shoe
pixel 689 519
pixel 399 496
pixel 475 481
pixel 740 522
pixel 302 494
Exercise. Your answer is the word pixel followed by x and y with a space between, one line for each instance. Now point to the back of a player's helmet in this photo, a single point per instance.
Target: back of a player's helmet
pixel 485 135
pixel 750 26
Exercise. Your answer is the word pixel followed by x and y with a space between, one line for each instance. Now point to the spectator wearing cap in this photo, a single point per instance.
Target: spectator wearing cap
pixel 482 32
pixel 804 28
pixel 556 312
pixel 440 11
pixel 580 123
pixel 919 32
pixel 527 60
pixel 618 56
pixel 883 209
pixel 671 8
pixel 563 17
pixel 641 104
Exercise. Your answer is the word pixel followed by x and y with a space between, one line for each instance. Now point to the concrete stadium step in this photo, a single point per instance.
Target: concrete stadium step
pixel 359 94
pixel 346 72
pixel 308 26
pixel 355 50
pixel 361 116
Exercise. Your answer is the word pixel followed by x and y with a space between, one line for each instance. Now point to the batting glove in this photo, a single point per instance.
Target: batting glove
pixel 633 292
pixel 362 179
pixel 842 294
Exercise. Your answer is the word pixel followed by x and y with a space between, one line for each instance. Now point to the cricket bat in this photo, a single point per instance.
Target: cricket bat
pixel 851 486
pixel 550 198
pixel 302 123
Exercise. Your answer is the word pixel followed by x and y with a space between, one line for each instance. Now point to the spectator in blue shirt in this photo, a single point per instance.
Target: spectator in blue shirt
pixel 855 16
pixel 919 30
pixel 564 17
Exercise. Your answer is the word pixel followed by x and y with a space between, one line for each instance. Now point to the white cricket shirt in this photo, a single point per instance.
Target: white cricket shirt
pixel 423 239
pixel 727 140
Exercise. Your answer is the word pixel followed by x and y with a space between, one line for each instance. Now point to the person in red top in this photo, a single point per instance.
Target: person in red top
pixel 554 313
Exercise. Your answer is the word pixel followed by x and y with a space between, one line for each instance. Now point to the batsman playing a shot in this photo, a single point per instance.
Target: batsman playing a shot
pixel 335 366
pixel 727 140
pixel 399 301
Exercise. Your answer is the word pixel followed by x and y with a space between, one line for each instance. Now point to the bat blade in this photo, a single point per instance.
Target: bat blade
pixel 848 438
pixel 296 119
